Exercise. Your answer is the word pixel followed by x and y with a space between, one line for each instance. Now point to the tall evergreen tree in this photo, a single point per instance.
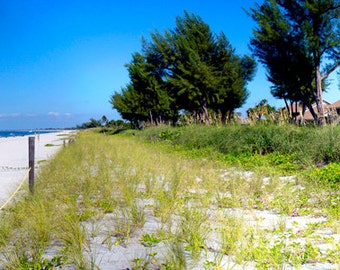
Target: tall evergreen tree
pixel 187 69
pixel 201 69
pixel 234 73
pixel 293 40
pixel 144 99
pixel 152 94
pixel 129 104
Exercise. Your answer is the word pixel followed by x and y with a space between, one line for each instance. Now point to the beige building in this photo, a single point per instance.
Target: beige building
pixel 331 110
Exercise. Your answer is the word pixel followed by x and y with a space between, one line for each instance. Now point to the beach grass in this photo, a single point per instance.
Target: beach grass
pixel 176 206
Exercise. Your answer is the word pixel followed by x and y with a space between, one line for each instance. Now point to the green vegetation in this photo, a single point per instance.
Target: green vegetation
pixel 104 123
pixel 263 195
pixel 190 74
pixel 299 44
pixel 150 240
pixel 287 147
pixel 205 202
pixel 188 69
pixel 49 145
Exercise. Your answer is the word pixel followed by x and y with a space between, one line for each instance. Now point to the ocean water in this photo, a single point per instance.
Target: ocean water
pixel 16 133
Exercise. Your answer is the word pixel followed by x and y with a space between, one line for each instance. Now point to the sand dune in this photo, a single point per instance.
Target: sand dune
pixel 14 158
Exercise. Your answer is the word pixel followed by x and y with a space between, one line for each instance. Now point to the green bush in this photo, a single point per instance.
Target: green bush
pixel 327 175
pixel 287 145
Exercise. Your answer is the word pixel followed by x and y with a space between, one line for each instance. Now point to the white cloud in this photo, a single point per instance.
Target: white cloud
pixel 7 115
pixel 68 114
pixel 54 113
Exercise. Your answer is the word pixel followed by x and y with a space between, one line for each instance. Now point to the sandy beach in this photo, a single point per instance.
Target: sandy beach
pixel 14 158
pixel 113 241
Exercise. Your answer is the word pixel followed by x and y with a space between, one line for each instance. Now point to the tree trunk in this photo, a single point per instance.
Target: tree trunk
pixel 318 98
pixel 195 117
pixel 291 116
pixel 287 106
pixel 229 116
pixel 308 104
pixel 151 118
pixel 315 115
pixel 223 117
pixel 303 113
pixel 205 111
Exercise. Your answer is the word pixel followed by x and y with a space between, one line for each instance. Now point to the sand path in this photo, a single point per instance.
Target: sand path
pixel 14 158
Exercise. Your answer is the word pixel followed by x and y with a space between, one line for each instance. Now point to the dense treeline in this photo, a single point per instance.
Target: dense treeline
pixel 185 70
pixel 103 122
pixel 190 70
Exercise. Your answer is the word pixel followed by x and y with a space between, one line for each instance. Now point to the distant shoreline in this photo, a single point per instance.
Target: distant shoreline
pixel 14 155
pixel 20 133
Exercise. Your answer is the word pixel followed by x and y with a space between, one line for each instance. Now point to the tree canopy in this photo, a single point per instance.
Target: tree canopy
pixel 187 69
pixel 298 42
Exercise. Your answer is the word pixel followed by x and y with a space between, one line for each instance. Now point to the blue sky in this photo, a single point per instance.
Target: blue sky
pixel 60 61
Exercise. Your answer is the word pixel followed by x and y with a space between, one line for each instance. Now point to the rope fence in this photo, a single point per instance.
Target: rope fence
pixel 10 168
pixel 29 174
pixel 16 191
pixel 30 170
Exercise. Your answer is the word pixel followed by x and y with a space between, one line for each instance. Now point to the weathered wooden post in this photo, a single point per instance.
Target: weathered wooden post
pixel 31 151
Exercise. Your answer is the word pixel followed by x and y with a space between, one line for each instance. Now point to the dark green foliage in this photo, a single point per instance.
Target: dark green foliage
pixel 117 124
pixel 92 124
pixel 127 104
pixel 104 122
pixel 293 39
pixel 261 111
pixel 187 69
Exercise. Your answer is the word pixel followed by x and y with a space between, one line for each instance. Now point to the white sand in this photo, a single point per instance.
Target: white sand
pixel 14 158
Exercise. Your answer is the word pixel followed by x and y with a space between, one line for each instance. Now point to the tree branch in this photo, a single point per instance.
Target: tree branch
pixel 329 71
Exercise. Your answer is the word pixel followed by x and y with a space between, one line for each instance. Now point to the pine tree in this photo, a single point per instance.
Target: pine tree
pixel 293 40
pixel 186 69
pixel 201 69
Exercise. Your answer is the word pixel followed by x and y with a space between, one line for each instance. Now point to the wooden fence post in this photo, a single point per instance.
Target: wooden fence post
pixel 31 151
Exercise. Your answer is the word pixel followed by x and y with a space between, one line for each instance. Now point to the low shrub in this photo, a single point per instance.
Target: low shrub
pixel 328 175
pixel 287 145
